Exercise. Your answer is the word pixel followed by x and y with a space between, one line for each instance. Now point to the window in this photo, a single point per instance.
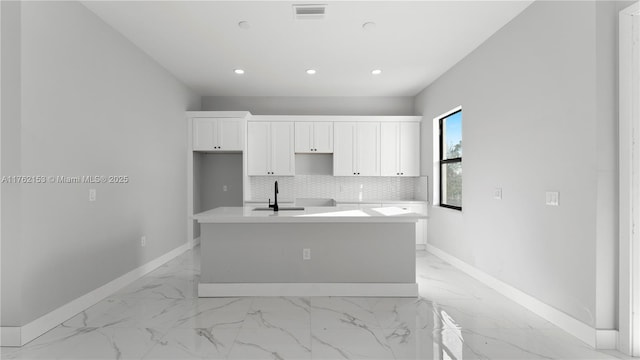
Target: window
pixel 451 160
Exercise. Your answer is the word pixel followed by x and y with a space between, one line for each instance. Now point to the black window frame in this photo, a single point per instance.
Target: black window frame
pixel 444 161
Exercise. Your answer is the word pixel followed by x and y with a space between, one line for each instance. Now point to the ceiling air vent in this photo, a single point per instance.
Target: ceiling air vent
pixel 309 12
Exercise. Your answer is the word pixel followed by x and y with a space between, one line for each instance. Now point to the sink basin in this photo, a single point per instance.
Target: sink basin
pixel 315 202
pixel 280 208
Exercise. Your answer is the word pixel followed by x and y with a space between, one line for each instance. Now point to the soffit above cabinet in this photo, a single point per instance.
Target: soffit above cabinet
pixel 218 114
pixel 335 118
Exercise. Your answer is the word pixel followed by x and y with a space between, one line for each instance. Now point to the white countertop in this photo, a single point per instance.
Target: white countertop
pixel 374 201
pixel 420 202
pixel 325 214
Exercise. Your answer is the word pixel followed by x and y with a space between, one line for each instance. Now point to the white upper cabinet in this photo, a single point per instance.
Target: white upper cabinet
pixel 410 149
pixel 231 134
pixel 356 149
pixel 218 134
pixel 344 149
pixel 282 158
pixel 400 149
pixel 258 148
pixel 314 137
pixel 270 148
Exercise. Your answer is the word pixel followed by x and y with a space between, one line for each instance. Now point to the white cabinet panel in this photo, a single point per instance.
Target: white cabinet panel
pixel 368 149
pixel 282 158
pixel 323 136
pixel 218 134
pixel 270 148
pixel 389 149
pixel 204 133
pixel 400 149
pixel 258 148
pixel 304 136
pixel 314 137
pixel 230 134
pixel 356 149
pixel 344 149
pixel 410 149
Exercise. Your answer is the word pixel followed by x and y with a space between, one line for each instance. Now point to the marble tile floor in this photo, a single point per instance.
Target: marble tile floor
pixel 160 317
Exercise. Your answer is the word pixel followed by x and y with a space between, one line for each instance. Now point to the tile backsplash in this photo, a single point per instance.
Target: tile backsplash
pixel 339 188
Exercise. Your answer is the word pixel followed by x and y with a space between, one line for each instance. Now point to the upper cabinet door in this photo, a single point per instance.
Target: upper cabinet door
pixel 389 149
pixel 314 137
pixel 204 134
pixel 343 149
pixel 323 137
pixel 230 134
pixel 282 148
pixel 368 149
pixel 409 149
pixel 258 148
pixel 304 137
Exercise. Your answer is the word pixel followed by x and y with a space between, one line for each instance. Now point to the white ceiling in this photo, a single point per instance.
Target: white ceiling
pixel 414 42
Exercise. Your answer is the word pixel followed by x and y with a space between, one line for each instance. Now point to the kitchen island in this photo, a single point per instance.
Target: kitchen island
pixel 318 251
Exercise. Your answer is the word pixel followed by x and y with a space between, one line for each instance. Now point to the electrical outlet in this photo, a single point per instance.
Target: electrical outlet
pixel 143 241
pixel 224 188
pixel 92 194
pixel 497 193
pixel 553 198
pixel 306 254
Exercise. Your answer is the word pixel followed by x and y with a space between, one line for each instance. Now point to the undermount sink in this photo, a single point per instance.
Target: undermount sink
pixel 315 202
pixel 281 208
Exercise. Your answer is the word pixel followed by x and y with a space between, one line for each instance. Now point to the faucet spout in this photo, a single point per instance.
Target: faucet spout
pixel 275 203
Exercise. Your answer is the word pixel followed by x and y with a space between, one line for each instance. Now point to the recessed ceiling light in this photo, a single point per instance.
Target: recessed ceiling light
pixel 311 72
pixel 376 72
pixel 370 25
pixel 238 71
pixel 244 25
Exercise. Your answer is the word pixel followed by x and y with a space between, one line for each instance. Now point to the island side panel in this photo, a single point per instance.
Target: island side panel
pixel 340 253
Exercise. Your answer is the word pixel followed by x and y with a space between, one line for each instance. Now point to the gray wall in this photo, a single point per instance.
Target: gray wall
pixel 10 161
pixel 216 171
pixel 539 114
pixel 271 253
pixel 91 104
pixel 281 105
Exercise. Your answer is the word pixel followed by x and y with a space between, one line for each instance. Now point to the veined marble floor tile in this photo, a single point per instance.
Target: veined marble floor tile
pixel 151 313
pixel 460 286
pixel 474 314
pixel 342 313
pixel 515 344
pixel 215 313
pixel 160 317
pixel 196 343
pixel 167 286
pixel 90 316
pixel 272 343
pixel 279 312
pixel 395 312
pixel 90 343
pixel 363 343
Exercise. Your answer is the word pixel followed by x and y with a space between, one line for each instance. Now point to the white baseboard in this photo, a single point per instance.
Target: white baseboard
pixel 582 331
pixel 308 289
pixel 195 242
pixel 421 247
pixel 607 339
pixel 19 336
pixel 10 335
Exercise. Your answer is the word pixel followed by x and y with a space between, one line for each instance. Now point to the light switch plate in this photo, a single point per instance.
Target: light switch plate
pixel 553 198
pixel 92 194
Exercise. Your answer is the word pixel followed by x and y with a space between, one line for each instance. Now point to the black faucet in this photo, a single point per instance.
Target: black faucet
pixel 275 204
